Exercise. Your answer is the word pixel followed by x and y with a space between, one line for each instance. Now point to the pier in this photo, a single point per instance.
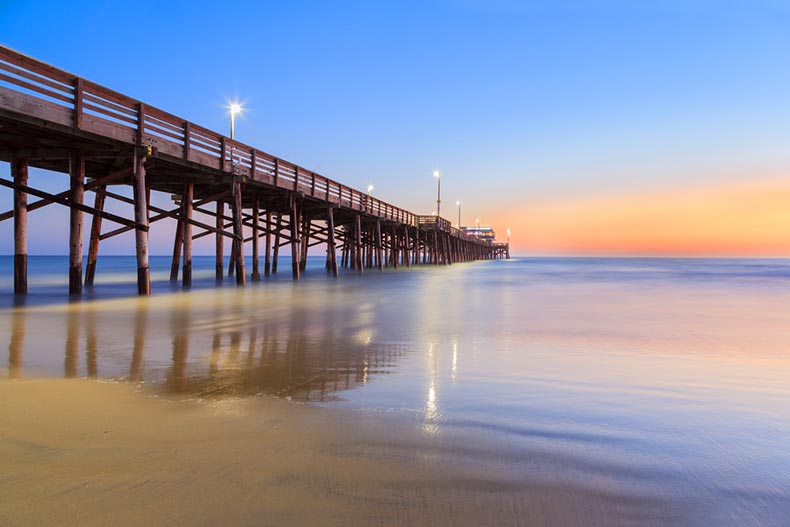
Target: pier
pixel 54 120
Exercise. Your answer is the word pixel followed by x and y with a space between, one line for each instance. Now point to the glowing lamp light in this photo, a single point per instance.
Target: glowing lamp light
pixel 235 108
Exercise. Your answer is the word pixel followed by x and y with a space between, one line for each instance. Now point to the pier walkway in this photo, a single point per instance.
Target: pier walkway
pixel 54 120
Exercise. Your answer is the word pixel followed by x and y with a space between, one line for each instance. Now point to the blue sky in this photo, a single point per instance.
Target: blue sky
pixel 518 103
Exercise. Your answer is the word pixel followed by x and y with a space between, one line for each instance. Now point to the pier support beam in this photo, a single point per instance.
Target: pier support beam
pixel 406 246
pixel 19 174
pixel 416 247
pixel 276 248
pixel 308 225
pixel 295 245
pixel 141 218
pixel 358 243
pixel 394 244
pixel 379 248
pixel 219 241
pixel 178 241
pixel 186 207
pixel 256 275
pixel 76 195
pixel 238 244
pixel 93 244
pixel 267 259
pixel 331 255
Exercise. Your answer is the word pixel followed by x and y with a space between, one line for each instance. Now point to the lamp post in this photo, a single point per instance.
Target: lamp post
pixel 477 222
pixel 459 213
pixel 235 108
pixel 508 236
pixel 438 176
pixel 370 188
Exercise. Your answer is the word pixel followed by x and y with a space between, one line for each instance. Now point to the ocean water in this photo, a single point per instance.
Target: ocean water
pixel 658 385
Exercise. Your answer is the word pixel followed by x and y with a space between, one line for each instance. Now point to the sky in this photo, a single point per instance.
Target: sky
pixel 601 128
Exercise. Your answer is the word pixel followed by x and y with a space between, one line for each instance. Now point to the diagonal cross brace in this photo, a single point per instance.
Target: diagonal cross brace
pixel 129 224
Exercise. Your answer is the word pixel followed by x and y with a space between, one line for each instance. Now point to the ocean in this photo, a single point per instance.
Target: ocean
pixel 655 389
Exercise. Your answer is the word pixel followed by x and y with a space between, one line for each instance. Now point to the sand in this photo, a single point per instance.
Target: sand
pixel 82 452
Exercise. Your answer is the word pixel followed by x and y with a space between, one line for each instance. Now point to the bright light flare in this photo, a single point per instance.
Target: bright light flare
pixel 437 174
pixel 235 108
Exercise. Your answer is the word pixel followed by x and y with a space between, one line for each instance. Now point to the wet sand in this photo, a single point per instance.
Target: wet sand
pixel 84 452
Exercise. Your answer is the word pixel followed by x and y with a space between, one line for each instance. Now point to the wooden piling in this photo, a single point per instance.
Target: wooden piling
pixel 394 245
pixel 306 225
pixel 276 248
pixel 76 195
pixel 379 248
pixel 141 218
pixel 93 244
pixel 256 275
pixel 416 248
pixel 219 241
pixel 330 244
pixel 267 262
pixel 238 231
pixel 295 249
pixel 186 206
pixel 20 175
pixel 358 242
pixel 178 239
pixel 406 247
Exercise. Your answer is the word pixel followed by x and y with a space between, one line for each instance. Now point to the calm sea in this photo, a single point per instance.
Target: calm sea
pixel 661 382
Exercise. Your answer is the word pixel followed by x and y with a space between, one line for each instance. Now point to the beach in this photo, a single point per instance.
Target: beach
pixel 531 392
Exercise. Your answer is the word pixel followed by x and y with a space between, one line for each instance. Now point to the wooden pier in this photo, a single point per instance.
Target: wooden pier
pixel 102 139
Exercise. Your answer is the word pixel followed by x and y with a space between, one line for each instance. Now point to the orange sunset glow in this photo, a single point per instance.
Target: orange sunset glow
pixel 731 219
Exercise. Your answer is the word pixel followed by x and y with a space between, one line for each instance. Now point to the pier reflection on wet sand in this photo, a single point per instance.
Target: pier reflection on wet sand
pixel 221 343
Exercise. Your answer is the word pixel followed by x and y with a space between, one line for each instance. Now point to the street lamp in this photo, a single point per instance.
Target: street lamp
pixel 508 236
pixel 459 213
pixel 438 176
pixel 235 108
pixel 477 222
pixel 370 187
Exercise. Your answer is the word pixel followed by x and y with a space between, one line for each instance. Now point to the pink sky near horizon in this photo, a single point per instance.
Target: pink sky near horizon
pixel 749 218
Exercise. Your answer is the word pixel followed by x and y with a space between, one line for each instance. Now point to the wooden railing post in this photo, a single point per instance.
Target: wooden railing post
pixel 187 139
pixel 78 105
pixel 222 154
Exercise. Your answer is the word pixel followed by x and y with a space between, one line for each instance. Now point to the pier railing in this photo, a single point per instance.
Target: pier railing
pixel 54 95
